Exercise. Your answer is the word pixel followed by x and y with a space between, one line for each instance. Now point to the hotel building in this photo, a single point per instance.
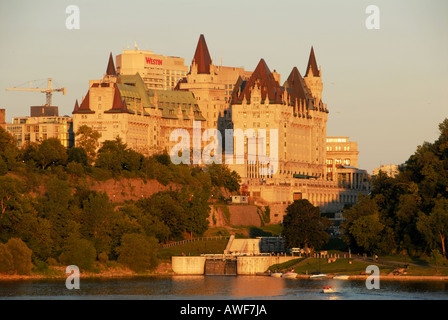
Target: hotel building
pixel 158 72
pixel 144 113
pixel 122 106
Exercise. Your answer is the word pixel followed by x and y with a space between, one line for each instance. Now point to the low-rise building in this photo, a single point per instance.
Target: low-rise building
pixel 39 128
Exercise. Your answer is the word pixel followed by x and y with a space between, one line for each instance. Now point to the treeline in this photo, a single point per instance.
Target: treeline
pixel 409 212
pixel 70 224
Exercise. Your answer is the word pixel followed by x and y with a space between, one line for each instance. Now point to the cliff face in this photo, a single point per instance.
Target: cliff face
pixel 130 189
pixel 234 215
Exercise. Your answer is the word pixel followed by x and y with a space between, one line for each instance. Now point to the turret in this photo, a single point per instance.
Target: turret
pixel 313 77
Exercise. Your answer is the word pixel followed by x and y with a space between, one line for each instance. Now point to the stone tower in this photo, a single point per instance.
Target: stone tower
pixel 313 77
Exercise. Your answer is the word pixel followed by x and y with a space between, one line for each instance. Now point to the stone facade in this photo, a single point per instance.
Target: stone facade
pixel 340 152
pixel 121 106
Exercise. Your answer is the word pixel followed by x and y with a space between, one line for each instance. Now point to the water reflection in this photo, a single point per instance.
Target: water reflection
pixel 222 287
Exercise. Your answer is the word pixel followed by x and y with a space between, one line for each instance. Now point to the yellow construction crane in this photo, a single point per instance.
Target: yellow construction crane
pixel 48 90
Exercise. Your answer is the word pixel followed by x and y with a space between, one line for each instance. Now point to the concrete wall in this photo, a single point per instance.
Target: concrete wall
pixel 188 265
pixel 246 265
pixel 252 265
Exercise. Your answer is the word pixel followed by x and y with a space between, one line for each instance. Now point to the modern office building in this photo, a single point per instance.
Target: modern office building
pixel 37 129
pixel 158 72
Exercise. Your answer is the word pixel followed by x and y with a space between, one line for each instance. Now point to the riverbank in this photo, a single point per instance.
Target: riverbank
pixel 57 273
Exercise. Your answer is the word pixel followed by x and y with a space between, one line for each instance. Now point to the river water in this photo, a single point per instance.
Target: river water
pixel 222 288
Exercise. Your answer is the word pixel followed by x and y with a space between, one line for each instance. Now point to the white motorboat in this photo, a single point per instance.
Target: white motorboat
pixel 327 289
pixel 290 275
pixel 277 274
pixel 341 277
pixel 318 275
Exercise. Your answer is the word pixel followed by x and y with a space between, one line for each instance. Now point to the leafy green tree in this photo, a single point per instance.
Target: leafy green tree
pixel 78 155
pixel 35 231
pixel 111 155
pixel 21 255
pixel 11 206
pixel 9 151
pixel 138 252
pixel 6 260
pixel 96 221
pixel 48 152
pixel 435 225
pixel 79 252
pixel 87 138
pixel 3 167
pixel 303 226
pixel 363 229
pixel 221 176
pixel 132 161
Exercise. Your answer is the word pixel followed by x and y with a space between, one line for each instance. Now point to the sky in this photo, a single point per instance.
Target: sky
pixel 385 88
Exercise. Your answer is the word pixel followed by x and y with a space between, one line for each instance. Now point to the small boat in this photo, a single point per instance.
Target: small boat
pixel 277 274
pixel 327 289
pixel 290 275
pixel 318 275
pixel 341 277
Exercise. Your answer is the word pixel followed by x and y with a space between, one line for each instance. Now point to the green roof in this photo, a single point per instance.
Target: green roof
pixel 132 87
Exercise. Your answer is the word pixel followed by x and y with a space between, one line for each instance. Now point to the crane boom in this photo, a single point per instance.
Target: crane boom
pixel 48 90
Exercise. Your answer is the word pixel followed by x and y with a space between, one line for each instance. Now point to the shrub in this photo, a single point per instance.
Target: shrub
pixel 78 252
pixel 138 252
pixel 21 255
pixel 6 260
pixel 103 257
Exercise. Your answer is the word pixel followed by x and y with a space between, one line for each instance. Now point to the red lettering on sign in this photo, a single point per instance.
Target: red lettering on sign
pixel 153 61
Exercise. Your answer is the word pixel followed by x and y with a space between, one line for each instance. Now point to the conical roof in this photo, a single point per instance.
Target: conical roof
pixel 297 84
pixel 263 78
pixel 110 71
pixel 312 65
pixel 202 56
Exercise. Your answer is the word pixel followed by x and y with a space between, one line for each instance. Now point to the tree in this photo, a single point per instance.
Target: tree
pixel 165 207
pixel 79 252
pixel 303 226
pixel 138 252
pixel 11 206
pixel 221 176
pixel 21 255
pixel 48 152
pixel 78 155
pixel 111 155
pixel 87 138
pixel 435 225
pixel 8 149
pixel 6 260
pixel 96 218
pixel 363 228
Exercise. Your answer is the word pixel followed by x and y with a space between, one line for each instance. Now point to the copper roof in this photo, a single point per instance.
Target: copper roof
pixel 297 84
pixel 202 56
pixel 76 109
pixel 264 79
pixel 312 65
pixel 85 105
pixel 110 71
pixel 118 104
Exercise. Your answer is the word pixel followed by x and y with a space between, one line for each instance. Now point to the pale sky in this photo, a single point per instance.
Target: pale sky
pixel 387 89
